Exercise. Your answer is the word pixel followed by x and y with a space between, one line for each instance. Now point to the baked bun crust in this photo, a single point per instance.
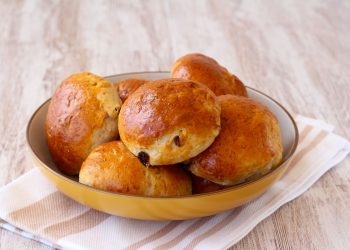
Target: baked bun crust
pixel 200 185
pixel 248 146
pixel 169 121
pixel 128 86
pixel 82 114
pixel 112 167
pixel 206 70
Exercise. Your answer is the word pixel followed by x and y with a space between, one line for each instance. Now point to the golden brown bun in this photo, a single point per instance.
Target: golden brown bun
pixel 248 146
pixel 200 185
pixel 128 86
pixel 112 167
pixel 169 121
pixel 206 70
pixel 82 114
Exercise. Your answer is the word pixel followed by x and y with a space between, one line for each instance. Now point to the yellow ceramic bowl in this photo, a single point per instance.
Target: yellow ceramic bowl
pixel 154 208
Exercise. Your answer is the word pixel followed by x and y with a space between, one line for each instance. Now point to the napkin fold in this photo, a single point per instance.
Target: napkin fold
pixel 32 207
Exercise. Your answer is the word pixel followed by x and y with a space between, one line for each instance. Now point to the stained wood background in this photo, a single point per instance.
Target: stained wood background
pixel 296 51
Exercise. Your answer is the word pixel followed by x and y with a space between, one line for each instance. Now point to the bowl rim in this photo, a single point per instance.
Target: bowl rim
pixel 229 189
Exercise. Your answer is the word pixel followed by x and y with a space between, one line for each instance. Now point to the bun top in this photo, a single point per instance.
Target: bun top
pixel 206 70
pixel 169 116
pixel 82 114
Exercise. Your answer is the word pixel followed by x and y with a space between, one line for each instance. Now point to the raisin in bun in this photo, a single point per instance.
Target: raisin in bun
pixel 248 146
pixel 169 121
pixel 82 114
pixel 206 70
pixel 128 86
pixel 112 167
pixel 200 185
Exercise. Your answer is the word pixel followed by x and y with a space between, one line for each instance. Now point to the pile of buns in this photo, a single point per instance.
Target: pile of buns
pixel 196 132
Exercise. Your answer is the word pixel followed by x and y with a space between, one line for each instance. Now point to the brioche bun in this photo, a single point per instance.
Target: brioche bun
pixel 169 121
pixel 248 146
pixel 206 70
pixel 82 114
pixel 112 167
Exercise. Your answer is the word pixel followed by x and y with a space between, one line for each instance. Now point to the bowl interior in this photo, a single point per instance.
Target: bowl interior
pixel 36 127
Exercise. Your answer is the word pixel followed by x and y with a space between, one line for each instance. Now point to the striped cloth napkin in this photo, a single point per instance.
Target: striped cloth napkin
pixel 32 207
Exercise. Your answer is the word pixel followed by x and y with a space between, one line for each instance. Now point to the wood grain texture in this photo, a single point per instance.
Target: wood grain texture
pixel 296 51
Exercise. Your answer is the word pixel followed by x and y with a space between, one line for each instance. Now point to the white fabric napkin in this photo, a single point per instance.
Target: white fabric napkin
pixel 32 207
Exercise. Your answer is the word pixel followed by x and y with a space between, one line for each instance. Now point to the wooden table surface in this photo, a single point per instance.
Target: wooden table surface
pixel 296 51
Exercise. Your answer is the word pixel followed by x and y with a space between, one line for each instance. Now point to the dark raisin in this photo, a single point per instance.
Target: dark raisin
pixel 177 141
pixel 144 158
pixel 185 164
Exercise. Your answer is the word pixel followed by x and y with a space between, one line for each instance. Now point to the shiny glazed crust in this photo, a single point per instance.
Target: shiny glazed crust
pixel 206 70
pixel 112 167
pixel 128 86
pixel 171 120
pixel 248 146
pixel 82 114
